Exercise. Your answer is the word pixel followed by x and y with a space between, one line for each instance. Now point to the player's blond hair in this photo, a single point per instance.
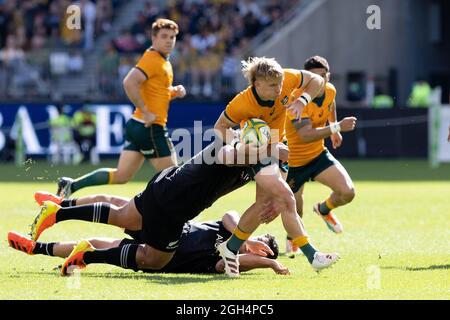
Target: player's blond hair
pixel 164 24
pixel 261 68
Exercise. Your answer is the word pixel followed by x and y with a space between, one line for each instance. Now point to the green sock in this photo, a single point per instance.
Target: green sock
pixel 324 209
pixel 234 244
pixel 308 250
pixel 95 178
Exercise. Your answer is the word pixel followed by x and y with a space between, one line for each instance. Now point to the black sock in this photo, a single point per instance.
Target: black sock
pixel 97 212
pixel 122 256
pixel 68 203
pixel 44 248
pixel 128 241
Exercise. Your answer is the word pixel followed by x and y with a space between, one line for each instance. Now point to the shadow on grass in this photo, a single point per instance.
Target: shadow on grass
pixel 432 267
pixel 160 278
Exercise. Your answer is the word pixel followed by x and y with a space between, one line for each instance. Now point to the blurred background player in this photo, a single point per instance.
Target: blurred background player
pixel 309 159
pixel 149 87
pixel 62 148
pixel 267 98
pixel 84 124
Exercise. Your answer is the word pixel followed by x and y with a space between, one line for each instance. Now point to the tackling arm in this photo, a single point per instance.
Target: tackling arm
pixel 246 154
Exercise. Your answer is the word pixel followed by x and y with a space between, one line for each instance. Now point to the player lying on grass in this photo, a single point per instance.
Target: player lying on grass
pixel 171 198
pixel 196 253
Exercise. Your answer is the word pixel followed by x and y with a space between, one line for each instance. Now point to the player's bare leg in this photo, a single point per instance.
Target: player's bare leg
pixel 41 196
pixel 129 256
pixel 125 217
pixel 129 163
pixel 114 200
pixel 338 180
pixel 165 162
pixel 146 257
pixel 95 250
pixel 291 248
pixel 55 249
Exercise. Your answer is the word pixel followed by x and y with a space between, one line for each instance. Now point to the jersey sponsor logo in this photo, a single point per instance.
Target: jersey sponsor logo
pixel 272 112
pixel 172 245
pixel 147 152
pixel 284 100
pixel 219 240
pixel 245 176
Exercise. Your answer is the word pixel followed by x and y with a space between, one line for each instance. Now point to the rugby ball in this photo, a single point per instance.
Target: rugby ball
pixel 255 131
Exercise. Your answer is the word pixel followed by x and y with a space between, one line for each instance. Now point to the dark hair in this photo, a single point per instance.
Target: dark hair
pixel 273 244
pixel 316 62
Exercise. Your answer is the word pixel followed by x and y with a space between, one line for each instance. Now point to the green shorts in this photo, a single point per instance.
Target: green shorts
pixel 152 142
pixel 297 176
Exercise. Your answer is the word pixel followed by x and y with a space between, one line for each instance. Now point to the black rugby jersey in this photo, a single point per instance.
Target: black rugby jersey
pixel 197 184
pixel 197 250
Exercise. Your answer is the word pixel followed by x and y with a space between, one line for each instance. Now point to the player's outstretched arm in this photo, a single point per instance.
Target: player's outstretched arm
pixel 250 261
pixel 309 134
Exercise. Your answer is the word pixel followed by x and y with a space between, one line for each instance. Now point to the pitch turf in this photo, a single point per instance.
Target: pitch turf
pixel 395 245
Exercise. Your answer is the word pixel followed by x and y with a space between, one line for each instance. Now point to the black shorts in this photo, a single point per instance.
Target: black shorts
pixel 160 229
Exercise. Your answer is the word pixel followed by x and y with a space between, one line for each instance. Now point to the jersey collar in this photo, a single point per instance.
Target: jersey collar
pixel 163 56
pixel 262 103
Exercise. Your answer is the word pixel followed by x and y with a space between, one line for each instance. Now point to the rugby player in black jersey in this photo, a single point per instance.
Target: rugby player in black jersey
pixel 171 198
pixel 196 253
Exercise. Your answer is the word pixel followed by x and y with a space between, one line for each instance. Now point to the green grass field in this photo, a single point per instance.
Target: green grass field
pixel 396 243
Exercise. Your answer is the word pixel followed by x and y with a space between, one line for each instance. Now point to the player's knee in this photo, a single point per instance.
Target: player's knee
pixel 121 178
pixel 287 201
pixel 348 194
